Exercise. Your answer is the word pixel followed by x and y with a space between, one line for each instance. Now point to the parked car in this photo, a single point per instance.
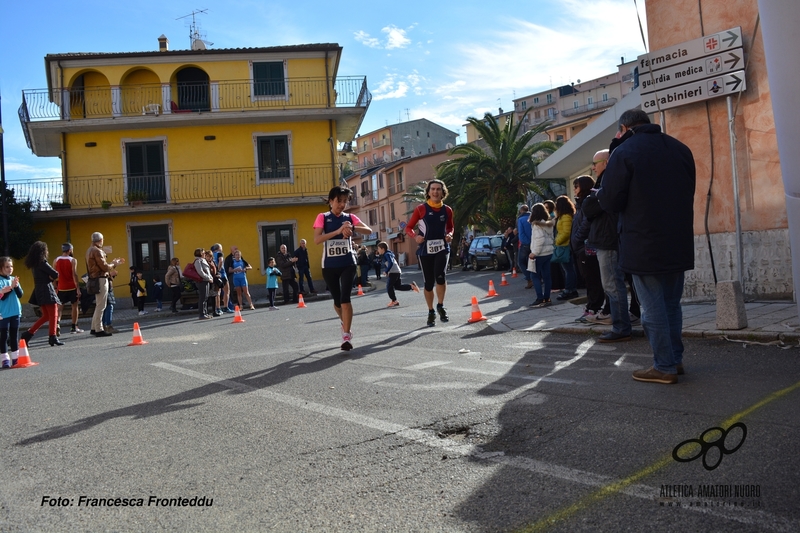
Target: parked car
pixel 488 251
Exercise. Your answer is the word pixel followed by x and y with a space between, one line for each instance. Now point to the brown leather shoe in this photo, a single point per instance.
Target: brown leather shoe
pixel 529 285
pixel 651 375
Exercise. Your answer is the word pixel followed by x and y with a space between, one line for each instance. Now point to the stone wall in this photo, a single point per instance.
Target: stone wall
pixel 767 265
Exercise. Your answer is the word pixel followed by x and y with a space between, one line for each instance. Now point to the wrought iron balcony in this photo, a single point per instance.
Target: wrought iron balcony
pixel 589 107
pixel 166 99
pixel 176 187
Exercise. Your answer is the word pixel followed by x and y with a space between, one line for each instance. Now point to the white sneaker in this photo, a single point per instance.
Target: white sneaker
pixel 346 338
pixel 601 318
pixel 273 308
pixel 142 313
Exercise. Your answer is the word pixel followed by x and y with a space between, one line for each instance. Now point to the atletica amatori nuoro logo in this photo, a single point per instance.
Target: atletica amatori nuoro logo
pixel 715 437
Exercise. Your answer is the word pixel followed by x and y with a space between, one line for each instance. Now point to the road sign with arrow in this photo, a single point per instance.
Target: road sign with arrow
pixel 697 91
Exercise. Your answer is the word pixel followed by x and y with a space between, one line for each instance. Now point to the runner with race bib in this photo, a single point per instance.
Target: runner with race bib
pixel 334 230
pixel 434 223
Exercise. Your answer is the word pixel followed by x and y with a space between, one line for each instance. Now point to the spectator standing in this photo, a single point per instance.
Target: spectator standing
pixel 586 259
pixel 44 293
pixel 565 211
pixel 273 274
pixel 213 289
pixel 604 238
pixel 68 285
pixel 10 313
pixel 286 263
pixel 363 266
pixel 227 266
pixel 111 301
pixel 524 236
pixel 203 286
pixel 650 182
pixel 238 272
pixel 98 267
pixel 303 267
pixel 141 292
pixel 541 253
pixel 173 280
pixel 225 291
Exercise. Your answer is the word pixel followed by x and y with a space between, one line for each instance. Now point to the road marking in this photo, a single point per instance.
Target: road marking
pixel 610 489
pixel 608 486
pixel 429 364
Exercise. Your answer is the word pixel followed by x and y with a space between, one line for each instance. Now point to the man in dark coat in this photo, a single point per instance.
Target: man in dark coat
pixel 285 263
pixel 303 267
pixel 603 237
pixel 650 183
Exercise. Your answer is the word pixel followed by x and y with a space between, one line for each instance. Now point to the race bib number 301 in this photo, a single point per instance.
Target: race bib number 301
pixel 435 246
pixel 337 247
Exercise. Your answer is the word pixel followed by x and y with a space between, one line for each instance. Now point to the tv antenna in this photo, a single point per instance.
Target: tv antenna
pixel 196 41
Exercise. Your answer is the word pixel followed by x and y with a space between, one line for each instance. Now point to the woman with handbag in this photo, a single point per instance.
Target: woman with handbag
pixel 44 293
pixel 565 211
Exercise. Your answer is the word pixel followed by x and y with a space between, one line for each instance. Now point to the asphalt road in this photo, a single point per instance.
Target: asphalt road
pixel 267 426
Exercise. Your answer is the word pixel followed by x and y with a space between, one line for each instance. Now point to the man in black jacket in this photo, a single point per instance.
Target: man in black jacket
pixel 285 263
pixel 650 183
pixel 303 267
pixel 604 238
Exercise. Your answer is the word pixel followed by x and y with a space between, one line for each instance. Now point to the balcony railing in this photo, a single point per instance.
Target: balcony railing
pixel 176 187
pixel 234 95
pixel 589 107
pixel 382 142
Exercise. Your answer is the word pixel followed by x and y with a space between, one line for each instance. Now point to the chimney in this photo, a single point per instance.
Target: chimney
pixel 163 43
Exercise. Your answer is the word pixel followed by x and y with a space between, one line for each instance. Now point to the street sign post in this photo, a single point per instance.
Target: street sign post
pixel 694 92
pixel 698 69
pixel 690 50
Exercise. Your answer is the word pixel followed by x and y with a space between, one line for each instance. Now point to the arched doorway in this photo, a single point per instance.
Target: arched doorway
pixel 193 90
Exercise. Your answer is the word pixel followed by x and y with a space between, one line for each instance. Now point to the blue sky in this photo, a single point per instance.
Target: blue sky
pixel 440 60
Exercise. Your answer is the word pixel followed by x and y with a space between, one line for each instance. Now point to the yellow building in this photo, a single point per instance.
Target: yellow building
pixel 167 151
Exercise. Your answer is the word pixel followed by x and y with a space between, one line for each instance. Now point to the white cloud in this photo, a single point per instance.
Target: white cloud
pixel 396 37
pixel 24 172
pixel 364 38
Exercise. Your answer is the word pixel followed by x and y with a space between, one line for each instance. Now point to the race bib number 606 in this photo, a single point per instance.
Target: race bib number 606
pixel 337 247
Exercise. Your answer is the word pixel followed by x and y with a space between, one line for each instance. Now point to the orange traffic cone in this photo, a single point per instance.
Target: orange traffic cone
pixel 237 315
pixel 514 272
pixel 492 292
pixel 477 316
pixel 301 302
pixel 137 336
pixel 503 281
pixel 360 291
pixel 24 359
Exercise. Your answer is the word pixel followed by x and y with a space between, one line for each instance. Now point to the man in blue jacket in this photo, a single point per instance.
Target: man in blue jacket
pixel 524 235
pixel 650 182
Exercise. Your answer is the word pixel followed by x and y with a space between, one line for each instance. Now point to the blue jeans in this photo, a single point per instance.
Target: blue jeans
pixel 570 277
pixel 108 313
pixel 522 261
pixel 541 278
pixel 304 272
pixel 614 285
pixel 662 317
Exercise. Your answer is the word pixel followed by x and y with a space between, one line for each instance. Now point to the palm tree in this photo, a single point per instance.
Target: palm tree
pixel 414 195
pixel 488 183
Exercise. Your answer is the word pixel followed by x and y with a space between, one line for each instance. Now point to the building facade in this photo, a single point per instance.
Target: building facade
pixel 401 140
pixel 167 151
